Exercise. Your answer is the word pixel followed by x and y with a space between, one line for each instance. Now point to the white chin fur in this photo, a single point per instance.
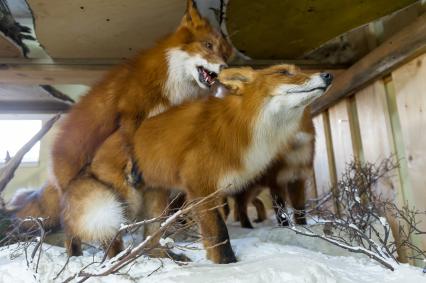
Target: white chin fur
pixel 300 95
pixel 183 76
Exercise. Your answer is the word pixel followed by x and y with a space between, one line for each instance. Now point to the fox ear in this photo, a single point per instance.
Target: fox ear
pixel 236 78
pixel 192 17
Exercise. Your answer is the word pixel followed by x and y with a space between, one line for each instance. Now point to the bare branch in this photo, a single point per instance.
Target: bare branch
pixel 361 226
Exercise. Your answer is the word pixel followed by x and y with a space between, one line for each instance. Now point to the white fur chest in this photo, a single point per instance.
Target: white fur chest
pixel 269 134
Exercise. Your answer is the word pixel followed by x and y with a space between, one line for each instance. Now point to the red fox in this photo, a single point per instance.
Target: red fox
pixel 288 175
pixel 94 143
pixel 224 143
pixel 178 68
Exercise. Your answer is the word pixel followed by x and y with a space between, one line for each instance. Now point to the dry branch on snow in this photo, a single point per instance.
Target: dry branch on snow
pixel 359 224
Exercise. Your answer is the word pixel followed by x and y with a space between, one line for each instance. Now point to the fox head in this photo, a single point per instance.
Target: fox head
pixel 279 93
pixel 196 54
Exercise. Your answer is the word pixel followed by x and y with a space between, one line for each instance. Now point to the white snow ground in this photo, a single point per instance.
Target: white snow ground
pixel 265 254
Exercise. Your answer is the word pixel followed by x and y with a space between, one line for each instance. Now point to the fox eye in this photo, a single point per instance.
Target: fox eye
pixel 286 73
pixel 208 45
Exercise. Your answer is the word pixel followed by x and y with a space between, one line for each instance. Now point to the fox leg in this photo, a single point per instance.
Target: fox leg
pixel 155 201
pixel 296 191
pixel 278 194
pixel 241 201
pixel 113 247
pixel 73 246
pixel 155 204
pixel 260 209
pixel 225 208
pixel 214 232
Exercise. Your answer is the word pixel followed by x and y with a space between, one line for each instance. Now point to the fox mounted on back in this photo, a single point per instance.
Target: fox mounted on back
pixel 180 67
pixel 224 143
pixel 94 144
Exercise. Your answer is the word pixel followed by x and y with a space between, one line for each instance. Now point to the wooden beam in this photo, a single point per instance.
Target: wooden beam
pixel 51 74
pixel 33 107
pixel 88 72
pixel 398 49
pixel 289 29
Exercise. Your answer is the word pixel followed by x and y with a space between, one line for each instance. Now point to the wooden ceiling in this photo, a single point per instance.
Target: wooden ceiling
pixel 8 48
pixel 284 29
pixel 103 28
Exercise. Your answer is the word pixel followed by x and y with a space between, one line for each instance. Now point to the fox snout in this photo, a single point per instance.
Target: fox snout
pixel 327 78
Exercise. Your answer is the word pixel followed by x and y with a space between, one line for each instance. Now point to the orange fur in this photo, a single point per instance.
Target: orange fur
pixel 209 145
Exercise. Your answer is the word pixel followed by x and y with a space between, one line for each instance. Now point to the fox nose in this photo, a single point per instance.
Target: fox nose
pixel 222 66
pixel 327 77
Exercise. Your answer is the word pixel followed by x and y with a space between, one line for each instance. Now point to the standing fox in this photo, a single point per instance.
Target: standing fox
pixel 94 143
pixel 288 175
pixel 223 144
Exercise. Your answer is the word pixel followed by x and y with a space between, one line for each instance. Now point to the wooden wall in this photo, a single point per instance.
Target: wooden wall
pixel 386 118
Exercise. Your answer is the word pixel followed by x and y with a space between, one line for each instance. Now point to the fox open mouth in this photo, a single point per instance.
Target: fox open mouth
pixel 206 77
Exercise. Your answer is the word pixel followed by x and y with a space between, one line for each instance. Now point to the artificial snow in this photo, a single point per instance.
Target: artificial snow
pixel 265 254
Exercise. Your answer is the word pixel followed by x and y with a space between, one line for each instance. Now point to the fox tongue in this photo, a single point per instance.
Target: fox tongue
pixel 207 77
pixel 209 80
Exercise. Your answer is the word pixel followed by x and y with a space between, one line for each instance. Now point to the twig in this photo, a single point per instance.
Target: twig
pixel 57 94
pixel 62 269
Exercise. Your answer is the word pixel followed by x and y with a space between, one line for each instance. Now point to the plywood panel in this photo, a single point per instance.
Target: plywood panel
pixel 341 135
pixel 376 134
pixel 22 93
pixel 322 172
pixel 410 89
pixel 284 31
pixel 103 28
pixel 9 49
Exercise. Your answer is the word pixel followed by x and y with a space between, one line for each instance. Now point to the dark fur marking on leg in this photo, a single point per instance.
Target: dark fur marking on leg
pixel 136 176
pixel 225 250
pixel 260 209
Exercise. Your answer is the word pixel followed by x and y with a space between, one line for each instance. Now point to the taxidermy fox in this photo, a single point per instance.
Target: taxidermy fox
pixel 286 177
pixel 225 143
pixel 178 68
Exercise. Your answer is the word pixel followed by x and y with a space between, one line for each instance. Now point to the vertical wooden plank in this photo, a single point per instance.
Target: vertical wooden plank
pixel 410 90
pixel 376 134
pixel 341 135
pixel 323 179
pixel 378 143
pixel 355 131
